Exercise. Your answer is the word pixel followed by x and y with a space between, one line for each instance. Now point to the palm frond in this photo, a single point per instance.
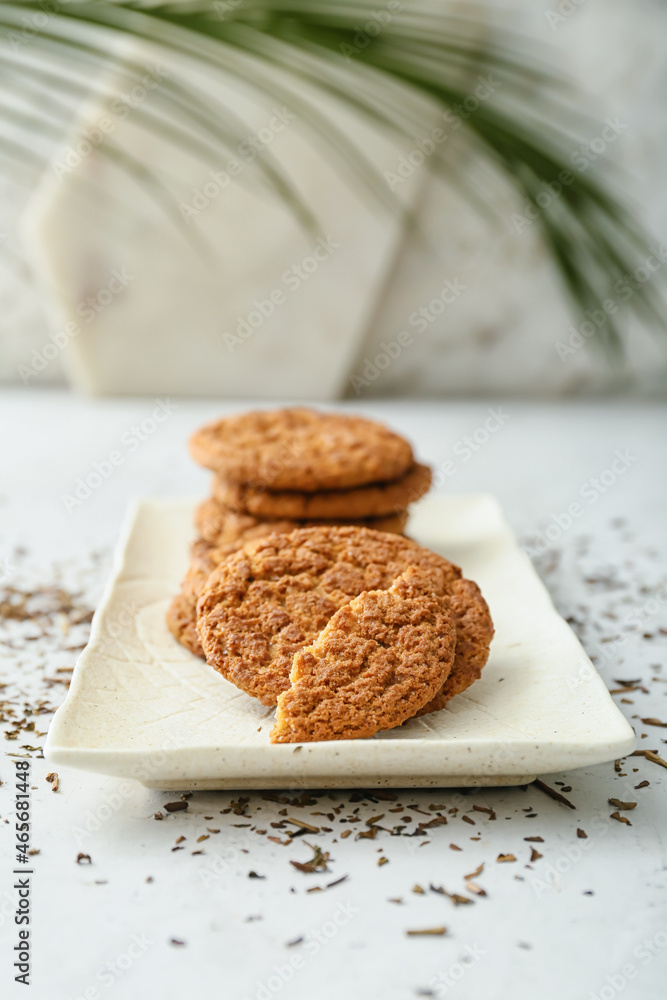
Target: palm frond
pixel 417 64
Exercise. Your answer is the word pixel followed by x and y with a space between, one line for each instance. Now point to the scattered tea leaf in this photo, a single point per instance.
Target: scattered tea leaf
pixel 304 826
pixel 477 871
pixel 477 889
pixel 552 793
pixel 318 862
pixel 650 755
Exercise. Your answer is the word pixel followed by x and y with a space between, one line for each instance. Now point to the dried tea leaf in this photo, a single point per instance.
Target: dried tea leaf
pixel 434 931
pixel 650 755
pixel 318 862
pixel 52 776
pixel 477 871
pixel 383 861
pixel 83 859
pixel 553 794
pixel 505 857
pixel 304 826
pixel 621 819
pixel 337 881
pixel 477 889
pixel 173 807
pixel 436 821
pixel 582 834
pixel 456 899
pixel 485 809
pixel 654 722
pixel 535 854
pixel 418 889
pixel 622 805
pixel 535 840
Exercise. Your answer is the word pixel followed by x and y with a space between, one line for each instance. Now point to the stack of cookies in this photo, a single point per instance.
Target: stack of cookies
pixel 347 630
pixel 281 470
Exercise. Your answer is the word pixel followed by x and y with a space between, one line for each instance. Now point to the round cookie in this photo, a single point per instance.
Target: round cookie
pixel 219 525
pixel 233 534
pixel 374 665
pixel 358 502
pixel 474 630
pixel 274 596
pixel 182 612
pixel 301 449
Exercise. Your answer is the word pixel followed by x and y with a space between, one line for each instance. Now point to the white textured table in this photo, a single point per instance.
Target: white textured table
pixel 587 919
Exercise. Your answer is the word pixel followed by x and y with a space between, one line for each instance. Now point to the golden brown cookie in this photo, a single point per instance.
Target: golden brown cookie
pixel 274 596
pixel 301 449
pixel 358 502
pixel 219 525
pixel 474 631
pixel 182 611
pixel 379 660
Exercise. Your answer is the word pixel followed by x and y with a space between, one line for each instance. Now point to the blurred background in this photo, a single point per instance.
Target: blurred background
pixel 332 199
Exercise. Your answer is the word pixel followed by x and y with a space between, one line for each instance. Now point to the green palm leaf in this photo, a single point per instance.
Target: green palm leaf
pixel 416 64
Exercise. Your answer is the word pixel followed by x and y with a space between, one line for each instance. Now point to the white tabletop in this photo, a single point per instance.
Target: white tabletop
pixel 587 920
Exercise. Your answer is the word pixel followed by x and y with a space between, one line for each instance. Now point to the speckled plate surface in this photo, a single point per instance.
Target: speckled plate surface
pixel 140 706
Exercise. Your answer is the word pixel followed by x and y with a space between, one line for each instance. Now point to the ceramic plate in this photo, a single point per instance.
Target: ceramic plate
pixel 140 706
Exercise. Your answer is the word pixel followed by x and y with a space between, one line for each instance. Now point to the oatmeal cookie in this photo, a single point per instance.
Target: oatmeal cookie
pixel 298 448
pixel 358 502
pixel 379 660
pixel 219 525
pixel 273 597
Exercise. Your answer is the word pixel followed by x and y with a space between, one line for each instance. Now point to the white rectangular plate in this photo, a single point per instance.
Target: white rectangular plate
pixel 141 706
